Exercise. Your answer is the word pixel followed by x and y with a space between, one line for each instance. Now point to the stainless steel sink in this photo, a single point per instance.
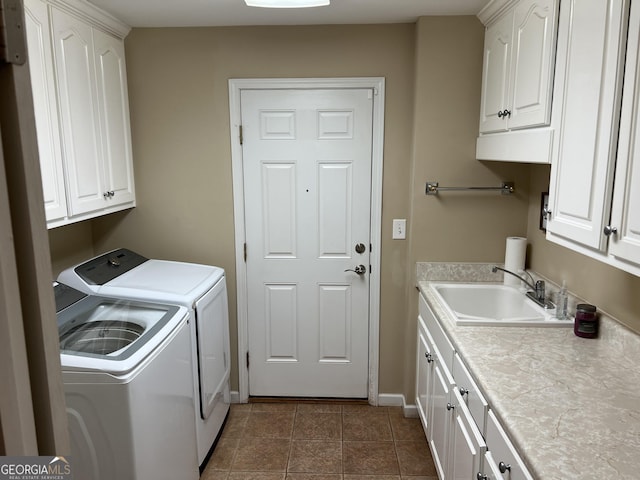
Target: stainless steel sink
pixel 493 304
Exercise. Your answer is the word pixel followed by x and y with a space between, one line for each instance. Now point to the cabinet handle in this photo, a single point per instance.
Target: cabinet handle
pixel 429 357
pixel 609 230
pixel 463 391
pixel 500 114
pixel 481 476
pixel 504 467
pixel 504 113
pixel 105 195
pixel 450 407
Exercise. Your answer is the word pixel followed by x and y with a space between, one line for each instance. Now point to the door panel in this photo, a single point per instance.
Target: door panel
pixel 495 77
pixel 307 188
pixel 534 38
pixel 75 67
pixel 625 214
pixel 585 145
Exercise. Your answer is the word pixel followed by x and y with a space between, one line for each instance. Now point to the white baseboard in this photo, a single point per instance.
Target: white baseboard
pixel 397 400
pixel 384 400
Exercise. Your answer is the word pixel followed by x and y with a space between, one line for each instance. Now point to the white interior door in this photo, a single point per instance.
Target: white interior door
pixel 307 192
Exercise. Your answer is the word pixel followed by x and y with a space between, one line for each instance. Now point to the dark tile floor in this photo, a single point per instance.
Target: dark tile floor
pixel 316 441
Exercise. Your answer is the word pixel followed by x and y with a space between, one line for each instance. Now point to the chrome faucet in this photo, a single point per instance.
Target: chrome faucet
pixel 537 293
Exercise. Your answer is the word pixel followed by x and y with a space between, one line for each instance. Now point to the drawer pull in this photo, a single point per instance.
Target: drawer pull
pixel 463 391
pixel 504 467
pixel 451 407
pixel 481 476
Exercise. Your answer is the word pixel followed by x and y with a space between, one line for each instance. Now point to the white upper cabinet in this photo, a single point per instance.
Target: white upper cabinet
pixel 44 97
pixel 495 74
pixel 517 79
pixel 88 112
pixel 624 225
pixel 594 196
pixel 534 33
pixel 113 106
pixel 80 126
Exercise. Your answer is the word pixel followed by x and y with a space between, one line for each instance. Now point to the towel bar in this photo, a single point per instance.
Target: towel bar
pixel 507 188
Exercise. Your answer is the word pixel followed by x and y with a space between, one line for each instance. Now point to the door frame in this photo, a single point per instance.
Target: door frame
pixel 235 89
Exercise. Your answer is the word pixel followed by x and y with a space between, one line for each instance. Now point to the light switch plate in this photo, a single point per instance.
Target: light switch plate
pixel 399 229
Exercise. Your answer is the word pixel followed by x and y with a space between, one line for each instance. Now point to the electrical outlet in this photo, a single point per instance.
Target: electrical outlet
pixel 399 229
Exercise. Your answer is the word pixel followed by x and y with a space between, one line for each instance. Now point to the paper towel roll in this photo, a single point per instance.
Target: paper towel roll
pixel 514 257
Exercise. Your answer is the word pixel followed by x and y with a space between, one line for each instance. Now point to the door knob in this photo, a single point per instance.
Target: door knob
pixel 360 270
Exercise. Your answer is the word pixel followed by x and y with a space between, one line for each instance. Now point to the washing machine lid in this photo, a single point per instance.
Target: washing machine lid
pixel 65 295
pixel 111 334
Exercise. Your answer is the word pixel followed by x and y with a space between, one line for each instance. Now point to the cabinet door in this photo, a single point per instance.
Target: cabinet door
pixel 625 215
pixel 75 70
pixel 490 470
pixel 441 416
pixel 467 445
pixel 424 375
pixel 38 35
pixel 504 452
pixel 470 393
pixel 590 48
pixel 113 105
pixel 495 74
pixel 532 63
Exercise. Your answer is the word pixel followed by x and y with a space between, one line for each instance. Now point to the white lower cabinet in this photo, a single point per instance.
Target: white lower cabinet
pixel 439 434
pixel 424 377
pixel 465 438
pixel 81 106
pixel 467 445
pixel 504 455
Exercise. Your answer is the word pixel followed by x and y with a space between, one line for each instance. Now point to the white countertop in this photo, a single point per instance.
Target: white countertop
pixel 570 405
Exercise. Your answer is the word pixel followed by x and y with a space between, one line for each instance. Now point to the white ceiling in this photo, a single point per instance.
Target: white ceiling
pixel 192 13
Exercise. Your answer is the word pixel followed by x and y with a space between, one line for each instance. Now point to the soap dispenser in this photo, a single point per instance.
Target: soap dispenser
pixel 562 301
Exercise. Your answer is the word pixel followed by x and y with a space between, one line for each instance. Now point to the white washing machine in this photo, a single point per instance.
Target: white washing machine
pixel 126 369
pixel 200 288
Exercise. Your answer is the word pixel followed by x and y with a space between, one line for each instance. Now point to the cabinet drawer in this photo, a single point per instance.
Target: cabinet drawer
pixel 503 451
pixel 490 471
pixel 440 338
pixel 470 392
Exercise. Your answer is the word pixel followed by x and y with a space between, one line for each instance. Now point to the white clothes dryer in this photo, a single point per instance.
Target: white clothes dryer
pixel 200 288
pixel 126 370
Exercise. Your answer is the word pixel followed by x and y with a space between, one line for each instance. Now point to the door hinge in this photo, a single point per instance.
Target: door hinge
pixel 13 42
pixel 240 134
pixel 247 359
pixel 245 253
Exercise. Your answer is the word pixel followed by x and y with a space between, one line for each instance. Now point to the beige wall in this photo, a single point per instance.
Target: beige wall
pixel 611 290
pixel 180 126
pixel 178 89
pixel 465 226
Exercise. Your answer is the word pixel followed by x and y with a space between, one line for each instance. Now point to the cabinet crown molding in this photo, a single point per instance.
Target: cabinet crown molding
pixel 94 16
pixel 494 9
